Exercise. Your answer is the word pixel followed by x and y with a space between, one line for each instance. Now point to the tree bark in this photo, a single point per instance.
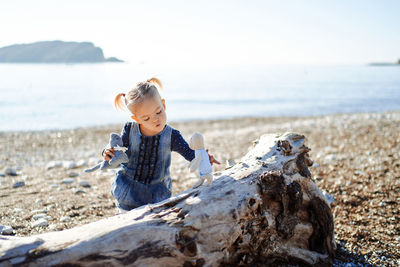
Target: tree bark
pixel 264 210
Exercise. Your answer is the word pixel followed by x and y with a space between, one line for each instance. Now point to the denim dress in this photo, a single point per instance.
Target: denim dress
pixel 146 177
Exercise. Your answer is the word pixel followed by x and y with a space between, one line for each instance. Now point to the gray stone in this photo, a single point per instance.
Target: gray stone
pixel 65 219
pixel 69 164
pixel 6 230
pixel 52 227
pixel 54 186
pixel 18 184
pixel 2 174
pixel 315 165
pixel 39 216
pixel 10 172
pixel 84 183
pixel 68 181
pixel 329 198
pixel 73 174
pixel 18 210
pixel 39 211
pixel 79 191
pixel 81 163
pixel 53 164
pixel 40 223
pixel 330 157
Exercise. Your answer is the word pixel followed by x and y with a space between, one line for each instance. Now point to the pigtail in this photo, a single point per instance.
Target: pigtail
pixel 118 104
pixel 156 82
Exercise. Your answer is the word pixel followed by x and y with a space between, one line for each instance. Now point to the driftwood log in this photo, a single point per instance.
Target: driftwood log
pixel 264 210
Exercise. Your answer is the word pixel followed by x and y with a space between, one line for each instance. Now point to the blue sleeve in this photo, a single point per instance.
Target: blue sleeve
pixel 125 134
pixel 178 144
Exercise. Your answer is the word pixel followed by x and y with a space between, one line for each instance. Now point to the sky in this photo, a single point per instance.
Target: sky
pixel 214 32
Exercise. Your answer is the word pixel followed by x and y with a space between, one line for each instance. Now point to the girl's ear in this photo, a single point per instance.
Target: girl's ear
pixel 136 119
pixel 163 103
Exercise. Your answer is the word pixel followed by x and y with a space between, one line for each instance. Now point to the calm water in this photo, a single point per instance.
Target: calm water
pixel 37 97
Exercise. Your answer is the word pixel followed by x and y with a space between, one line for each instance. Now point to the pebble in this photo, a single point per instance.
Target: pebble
pixel 39 216
pixel 6 230
pixel 40 223
pixel 38 201
pixel 330 157
pixel 68 181
pixel 65 219
pixel 79 191
pixel 397 238
pixel 18 184
pixel 53 164
pixel 10 172
pixel 329 198
pixel 315 165
pixel 52 226
pixel 39 211
pixel 18 210
pixel 84 183
pixel 81 163
pixel 2 174
pixel 69 164
pixel 73 174
pixel 54 186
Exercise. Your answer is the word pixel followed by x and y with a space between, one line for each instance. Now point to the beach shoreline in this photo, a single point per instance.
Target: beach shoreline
pixel 356 160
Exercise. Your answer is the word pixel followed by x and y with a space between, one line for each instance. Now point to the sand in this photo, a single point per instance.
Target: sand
pixel 357 161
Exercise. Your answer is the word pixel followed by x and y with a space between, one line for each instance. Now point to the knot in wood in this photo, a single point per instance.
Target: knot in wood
pixel 186 242
pixel 285 147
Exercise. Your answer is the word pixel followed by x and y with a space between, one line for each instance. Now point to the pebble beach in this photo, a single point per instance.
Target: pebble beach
pixel 356 158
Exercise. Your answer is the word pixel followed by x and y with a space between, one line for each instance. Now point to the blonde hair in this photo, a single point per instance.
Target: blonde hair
pixel 141 91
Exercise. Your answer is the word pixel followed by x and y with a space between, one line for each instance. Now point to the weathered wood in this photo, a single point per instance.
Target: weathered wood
pixel 263 210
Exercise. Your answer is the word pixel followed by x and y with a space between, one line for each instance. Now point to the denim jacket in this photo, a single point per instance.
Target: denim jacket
pixel 146 177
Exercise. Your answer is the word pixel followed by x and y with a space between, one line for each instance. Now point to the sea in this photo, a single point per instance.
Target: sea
pixel 62 96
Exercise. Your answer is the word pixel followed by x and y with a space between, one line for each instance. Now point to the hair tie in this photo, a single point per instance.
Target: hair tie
pixel 123 95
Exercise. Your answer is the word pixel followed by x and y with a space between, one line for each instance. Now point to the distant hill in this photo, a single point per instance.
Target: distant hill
pixel 385 63
pixel 54 52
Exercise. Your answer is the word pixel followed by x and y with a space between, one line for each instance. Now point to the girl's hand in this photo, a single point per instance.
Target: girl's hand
pixel 108 154
pixel 212 159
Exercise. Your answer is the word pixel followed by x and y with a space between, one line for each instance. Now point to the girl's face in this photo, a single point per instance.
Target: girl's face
pixel 150 115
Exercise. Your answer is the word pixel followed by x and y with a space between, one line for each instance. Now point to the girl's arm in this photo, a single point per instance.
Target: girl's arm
pixel 178 144
pixel 125 134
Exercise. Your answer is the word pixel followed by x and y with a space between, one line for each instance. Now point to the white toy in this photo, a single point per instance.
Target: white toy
pixel 201 160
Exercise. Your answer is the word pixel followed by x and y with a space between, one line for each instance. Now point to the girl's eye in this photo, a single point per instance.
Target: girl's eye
pixel 159 111
pixel 146 119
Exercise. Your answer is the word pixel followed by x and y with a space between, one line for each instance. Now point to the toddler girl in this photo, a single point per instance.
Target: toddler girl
pixel 146 177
